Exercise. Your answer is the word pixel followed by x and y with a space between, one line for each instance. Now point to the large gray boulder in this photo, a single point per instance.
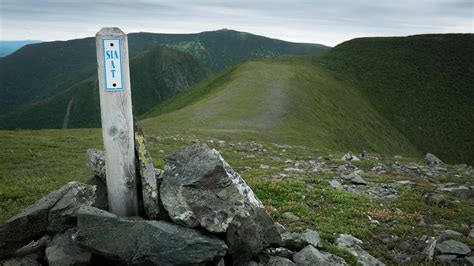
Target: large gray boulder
pixel 63 251
pixel 144 242
pixel 310 256
pixel 267 260
pixel 55 212
pixel 352 244
pixel 199 188
pixel 354 178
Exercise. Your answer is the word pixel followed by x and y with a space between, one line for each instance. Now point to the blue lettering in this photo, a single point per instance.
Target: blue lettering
pixel 112 63
pixel 113 73
pixel 111 54
pixel 107 54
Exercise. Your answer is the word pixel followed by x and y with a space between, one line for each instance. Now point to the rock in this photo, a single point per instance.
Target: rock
pixel 291 216
pixel 354 178
pixel 350 157
pixel 469 260
pixel 432 160
pixel 267 260
pixel 33 222
pixel 28 260
pixel 150 193
pixel 438 199
pixel 453 247
pixel 278 251
pixel 430 248
pixel 459 191
pixel 406 246
pixel 445 258
pixel 310 256
pixel 63 214
pixel 280 228
pixel 335 184
pixel 352 244
pixel 96 162
pixel 364 155
pixel 199 188
pixel 471 234
pixel 143 241
pixel 298 240
pixel 63 251
pixel 452 233
pixel 101 199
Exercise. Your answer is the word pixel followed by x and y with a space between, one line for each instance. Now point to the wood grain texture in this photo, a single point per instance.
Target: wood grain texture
pixel 117 131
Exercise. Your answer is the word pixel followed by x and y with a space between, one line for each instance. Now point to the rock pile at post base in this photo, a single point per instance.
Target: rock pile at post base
pixel 198 211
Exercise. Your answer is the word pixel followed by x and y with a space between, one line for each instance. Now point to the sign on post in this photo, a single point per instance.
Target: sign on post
pixel 117 120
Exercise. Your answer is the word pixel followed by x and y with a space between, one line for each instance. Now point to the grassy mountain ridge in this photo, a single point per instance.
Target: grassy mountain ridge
pixel 156 74
pixel 285 100
pixel 423 84
pixel 38 71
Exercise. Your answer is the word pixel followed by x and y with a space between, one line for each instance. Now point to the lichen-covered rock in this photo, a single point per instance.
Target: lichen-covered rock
pixel 150 190
pixel 96 162
pixel 63 251
pixel 350 157
pixel 34 221
pixel 144 242
pixel 453 247
pixel 267 260
pixel 354 178
pixel 310 256
pixel 199 188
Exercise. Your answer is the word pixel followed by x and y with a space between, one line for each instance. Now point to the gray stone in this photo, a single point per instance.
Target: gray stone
pixel 445 258
pixel 150 193
pixel 469 260
pixel 431 159
pixel 278 251
pixel 101 199
pixel 28 260
pixel 354 178
pixel 32 222
pixel 439 200
pixel 299 240
pixel 199 188
pixel 310 256
pixel 143 241
pixel 453 233
pixel 63 251
pixel 63 214
pixel 471 234
pixel 352 244
pixel 280 228
pixel 430 248
pixel 335 184
pixel 96 162
pixel 291 216
pixel 267 260
pixel 453 247
pixel 350 157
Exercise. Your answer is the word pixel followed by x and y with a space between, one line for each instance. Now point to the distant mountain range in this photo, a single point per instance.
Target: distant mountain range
pixel 37 72
pixel 8 47
pixel 398 95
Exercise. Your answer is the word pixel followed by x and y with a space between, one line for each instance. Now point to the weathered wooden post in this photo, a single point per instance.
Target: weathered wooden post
pixel 117 120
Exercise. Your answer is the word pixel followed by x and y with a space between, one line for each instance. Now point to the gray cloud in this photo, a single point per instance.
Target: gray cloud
pixel 322 21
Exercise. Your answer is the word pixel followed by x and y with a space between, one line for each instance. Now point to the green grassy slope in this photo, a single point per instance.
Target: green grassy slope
pixel 38 71
pixel 285 100
pixel 423 85
pixel 156 74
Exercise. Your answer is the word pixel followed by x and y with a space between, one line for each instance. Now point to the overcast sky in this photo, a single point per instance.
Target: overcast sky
pixel 319 21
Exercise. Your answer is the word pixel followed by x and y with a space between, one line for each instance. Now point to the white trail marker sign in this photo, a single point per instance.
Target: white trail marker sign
pixel 117 120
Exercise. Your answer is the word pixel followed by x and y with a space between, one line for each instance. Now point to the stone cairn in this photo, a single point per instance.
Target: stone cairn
pixel 198 211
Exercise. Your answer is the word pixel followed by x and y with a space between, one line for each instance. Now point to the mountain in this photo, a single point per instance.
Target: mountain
pixel 38 71
pixel 8 47
pixel 286 100
pixel 156 74
pixel 423 85
pixel 406 95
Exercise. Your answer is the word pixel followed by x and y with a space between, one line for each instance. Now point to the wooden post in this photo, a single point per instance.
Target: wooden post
pixel 117 120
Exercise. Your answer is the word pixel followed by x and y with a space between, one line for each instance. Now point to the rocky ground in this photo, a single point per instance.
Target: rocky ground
pixel 330 208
